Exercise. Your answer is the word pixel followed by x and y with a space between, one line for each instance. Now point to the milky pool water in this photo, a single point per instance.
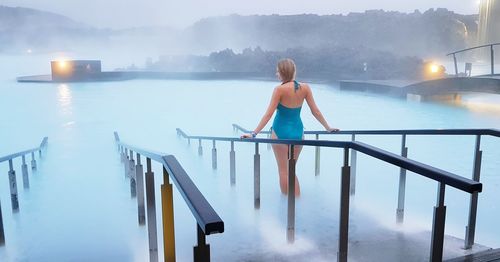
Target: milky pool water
pixel 78 207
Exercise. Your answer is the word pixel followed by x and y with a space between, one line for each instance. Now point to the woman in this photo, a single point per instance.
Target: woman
pixel 287 100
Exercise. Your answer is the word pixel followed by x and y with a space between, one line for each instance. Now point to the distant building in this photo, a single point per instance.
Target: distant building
pixel 75 70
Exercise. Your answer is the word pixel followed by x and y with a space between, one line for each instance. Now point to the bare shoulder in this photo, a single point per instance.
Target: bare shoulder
pixel 306 87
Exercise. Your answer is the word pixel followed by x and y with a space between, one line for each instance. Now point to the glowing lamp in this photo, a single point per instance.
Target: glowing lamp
pixel 434 68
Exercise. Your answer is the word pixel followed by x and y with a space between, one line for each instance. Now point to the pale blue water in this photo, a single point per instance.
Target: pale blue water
pixel 79 207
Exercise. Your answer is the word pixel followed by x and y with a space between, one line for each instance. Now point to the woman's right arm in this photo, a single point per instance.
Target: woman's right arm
pixel 275 98
pixel 316 112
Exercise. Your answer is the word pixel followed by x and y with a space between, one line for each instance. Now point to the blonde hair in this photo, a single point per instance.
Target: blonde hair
pixel 286 69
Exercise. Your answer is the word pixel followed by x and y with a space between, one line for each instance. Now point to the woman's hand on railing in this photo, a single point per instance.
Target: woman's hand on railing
pixel 247 136
pixel 332 129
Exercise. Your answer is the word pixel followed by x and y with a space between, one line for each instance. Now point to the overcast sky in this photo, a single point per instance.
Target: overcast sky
pixel 127 13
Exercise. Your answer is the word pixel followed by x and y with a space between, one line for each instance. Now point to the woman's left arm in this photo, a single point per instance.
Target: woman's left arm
pixel 275 99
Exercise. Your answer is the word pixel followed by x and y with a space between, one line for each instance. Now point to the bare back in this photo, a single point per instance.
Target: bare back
pixel 291 98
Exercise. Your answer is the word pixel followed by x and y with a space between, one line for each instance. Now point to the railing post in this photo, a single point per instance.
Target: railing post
pixel 290 232
pixel 201 252
pixel 492 60
pixel 2 234
pixel 214 156
pixel 24 169
pixel 456 65
pixel 400 211
pixel 256 178
pixel 269 135
pixel 438 224
pixel 141 213
pixel 470 229
pixel 126 163
pixel 344 209
pixel 151 209
pixel 133 188
pixel 167 203
pixel 13 187
pixel 353 167
pixel 232 164
pixel 200 149
pixel 33 160
pixel 123 154
pixel 317 158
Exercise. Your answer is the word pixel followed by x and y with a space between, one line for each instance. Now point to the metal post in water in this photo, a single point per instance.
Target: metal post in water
pixel 492 60
pixel 141 213
pixel 167 204
pixel 256 177
pixel 24 169
pixel 438 224
pixel 127 163
pixel 13 187
pixel 344 209
pixel 470 229
pixel 133 187
pixel 290 232
pixel 317 158
pixel 33 161
pixel 151 210
pixel 269 137
pixel 455 62
pixel 200 149
pixel 201 252
pixel 214 156
pixel 232 164
pixel 2 234
pixel 400 211
pixel 353 168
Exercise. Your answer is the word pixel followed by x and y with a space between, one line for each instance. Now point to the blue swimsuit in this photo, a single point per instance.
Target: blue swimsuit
pixel 287 123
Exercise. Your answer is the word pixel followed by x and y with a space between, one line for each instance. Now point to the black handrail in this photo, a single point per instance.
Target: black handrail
pixel 206 217
pixel 25 152
pixel 482 131
pixel 443 178
pixel 433 173
pixel 492 56
pixel 472 48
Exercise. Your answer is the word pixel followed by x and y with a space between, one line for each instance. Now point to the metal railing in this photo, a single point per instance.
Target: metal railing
pixel 208 221
pixel 443 177
pixel 492 56
pixel 470 228
pixel 12 177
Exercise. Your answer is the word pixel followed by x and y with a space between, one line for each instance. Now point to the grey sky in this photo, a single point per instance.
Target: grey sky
pixel 127 13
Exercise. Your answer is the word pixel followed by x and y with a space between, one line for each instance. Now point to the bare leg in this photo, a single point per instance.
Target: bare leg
pixel 281 154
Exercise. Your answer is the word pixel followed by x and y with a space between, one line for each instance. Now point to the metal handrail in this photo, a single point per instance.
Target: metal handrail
pixel 433 173
pixel 208 221
pixel 492 56
pixel 481 131
pixel 25 152
pixel 476 170
pixel 347 180
pixel 12 177
pixel 472 48
pixel 205 215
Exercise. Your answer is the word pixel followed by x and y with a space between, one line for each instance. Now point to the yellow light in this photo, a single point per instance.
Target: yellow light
pixel 434 68
pixel 62 64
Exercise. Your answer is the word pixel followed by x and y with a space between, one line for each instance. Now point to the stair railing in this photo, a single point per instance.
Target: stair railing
pixel 208 221
pixel 12 177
